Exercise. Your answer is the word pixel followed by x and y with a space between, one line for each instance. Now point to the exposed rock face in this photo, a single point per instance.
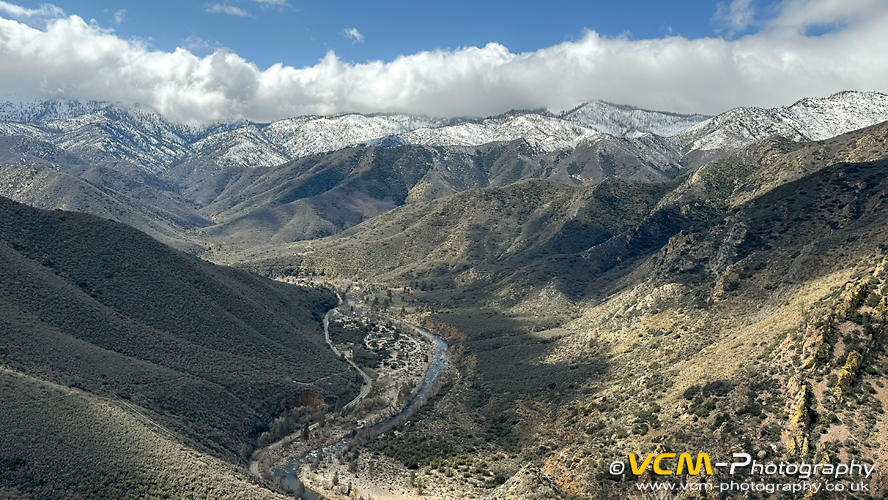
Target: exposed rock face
pixel 798 423
pixel 853 297
pixel 848 374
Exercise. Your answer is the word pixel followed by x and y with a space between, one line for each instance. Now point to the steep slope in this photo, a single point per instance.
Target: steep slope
pixel 750 324
pixel 60 442
pixel 324 194
pixel 321 195
pixel 105 131
pixel 439 240
pixel 210 353
pixel 476 239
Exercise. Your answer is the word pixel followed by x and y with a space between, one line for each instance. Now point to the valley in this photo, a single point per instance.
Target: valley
pixel 603 281
pixel 406 364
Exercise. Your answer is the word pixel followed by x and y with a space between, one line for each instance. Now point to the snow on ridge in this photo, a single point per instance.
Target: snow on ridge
pixel 808 119
pixel 629 121
pixel 246 145
pixel 140 135
pixel 308 135
pixel 542 132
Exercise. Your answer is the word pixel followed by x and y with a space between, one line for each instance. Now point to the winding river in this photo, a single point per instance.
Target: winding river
pixel 439 361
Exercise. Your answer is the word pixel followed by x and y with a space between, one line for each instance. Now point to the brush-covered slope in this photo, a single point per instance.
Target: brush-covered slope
pixel 742 309
pixel 737 337
pixel 537 233
pixel 211 353
pixel 477 235
pixel 62 443
pixel 322 195
pixel 41 174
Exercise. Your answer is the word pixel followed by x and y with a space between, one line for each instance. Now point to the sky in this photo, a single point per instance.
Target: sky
pixel 201 62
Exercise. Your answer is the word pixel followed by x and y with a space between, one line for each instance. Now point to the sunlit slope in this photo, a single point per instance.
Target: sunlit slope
pixel 63 443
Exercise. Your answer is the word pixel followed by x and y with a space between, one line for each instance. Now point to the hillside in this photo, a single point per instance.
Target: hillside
pixel 43 175
pixel 576 231
pixel 104 318
pixel 740 308
pixel 61 443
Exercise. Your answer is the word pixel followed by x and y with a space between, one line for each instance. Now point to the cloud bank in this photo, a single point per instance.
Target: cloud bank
pixel 779 63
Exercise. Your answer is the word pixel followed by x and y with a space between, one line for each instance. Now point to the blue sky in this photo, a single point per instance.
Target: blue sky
pixel 200 62
pixel 299 33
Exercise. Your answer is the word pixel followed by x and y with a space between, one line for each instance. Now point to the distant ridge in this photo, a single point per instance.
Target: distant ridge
pixel 311 176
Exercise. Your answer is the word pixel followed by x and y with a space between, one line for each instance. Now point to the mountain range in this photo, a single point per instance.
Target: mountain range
pixel 315 176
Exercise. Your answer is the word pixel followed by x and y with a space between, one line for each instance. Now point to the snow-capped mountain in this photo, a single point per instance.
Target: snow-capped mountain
pixel 807 120
pixel 629 121
pixel 103 131
pixel 309 176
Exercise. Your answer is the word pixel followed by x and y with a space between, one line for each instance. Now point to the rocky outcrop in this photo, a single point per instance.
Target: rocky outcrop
pixel 848 374
pixel 529 483
pixel 799 421
pixel 853 297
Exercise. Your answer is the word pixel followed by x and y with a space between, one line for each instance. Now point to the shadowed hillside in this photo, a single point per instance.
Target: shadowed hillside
pixel 210 353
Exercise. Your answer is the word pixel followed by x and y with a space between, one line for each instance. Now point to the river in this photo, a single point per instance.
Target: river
pixel 439 361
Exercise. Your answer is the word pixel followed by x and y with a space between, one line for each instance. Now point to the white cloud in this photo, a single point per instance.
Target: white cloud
pixel 354 34
pixel 738 15
pixel 227 9
pixel 119 16
pixel 798 15
pixel 38 17
pixel 273 2
pixel 196 44
pixel 774 66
